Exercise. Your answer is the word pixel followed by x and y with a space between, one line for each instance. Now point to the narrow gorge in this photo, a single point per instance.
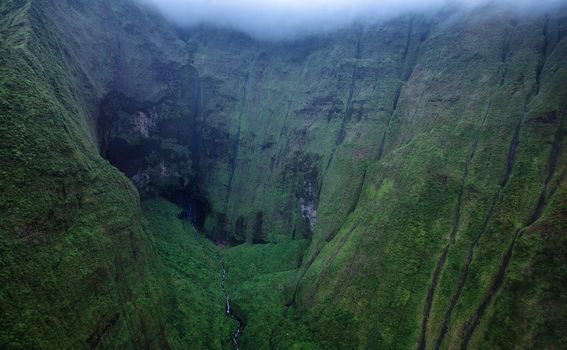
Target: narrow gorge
pixel 389 183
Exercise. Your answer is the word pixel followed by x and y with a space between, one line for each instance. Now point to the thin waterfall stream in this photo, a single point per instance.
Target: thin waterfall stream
pixel 228 310
pixel 236 333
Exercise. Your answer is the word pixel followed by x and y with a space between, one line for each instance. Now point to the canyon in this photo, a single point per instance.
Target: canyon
pixel 388 186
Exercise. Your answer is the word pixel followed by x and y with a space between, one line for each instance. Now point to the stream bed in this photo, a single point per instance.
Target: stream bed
pixel 238 331
pixel 228 310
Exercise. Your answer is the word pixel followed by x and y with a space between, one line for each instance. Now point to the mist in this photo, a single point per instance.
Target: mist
pixel 289 19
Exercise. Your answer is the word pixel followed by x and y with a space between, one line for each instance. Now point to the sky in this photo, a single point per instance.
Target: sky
pixel 284 19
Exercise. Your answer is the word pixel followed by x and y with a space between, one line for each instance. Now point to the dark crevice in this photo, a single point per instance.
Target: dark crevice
pixel 332 257
pixel 293 300
pixel 277 159
pixel 464 274
pixel 348 112
pixel 350 270
pixel 505 55
pixel 331 235
pixel 406 50
pixel 308 266
pixel 516 138
pixel 452 235
pixel 555 152
pixel 411 55
pixel 349 105
pixel 491 292
pixel 196 136
pixel 499 278
pixel 511 158
pixel 358 193
pixel 551 166
pixel 195 207
pixel 289 105
pixel 98 335
pixel 510 161
pixel 385 133
pixel 402 76
pixel 405 71
pixel 324 175
pixel 543 57
pixel 236 143
pixel 346 237
pixel 535 90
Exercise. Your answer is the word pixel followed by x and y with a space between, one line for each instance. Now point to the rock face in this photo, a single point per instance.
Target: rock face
pixel 417 157
pixel 422 159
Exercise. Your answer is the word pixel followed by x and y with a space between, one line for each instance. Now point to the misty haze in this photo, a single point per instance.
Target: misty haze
pixel 303 175
pixel 292 19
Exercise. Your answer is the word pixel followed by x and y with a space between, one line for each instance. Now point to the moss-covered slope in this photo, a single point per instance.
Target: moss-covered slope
pixel 78 269
pixel 197 318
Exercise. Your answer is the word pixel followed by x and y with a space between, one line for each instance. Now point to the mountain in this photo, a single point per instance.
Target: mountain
pixel 393 186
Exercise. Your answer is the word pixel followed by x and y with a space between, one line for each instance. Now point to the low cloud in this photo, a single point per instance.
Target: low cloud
pixel 279 19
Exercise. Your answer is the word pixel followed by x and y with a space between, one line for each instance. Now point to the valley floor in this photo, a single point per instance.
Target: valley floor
pixel 259 279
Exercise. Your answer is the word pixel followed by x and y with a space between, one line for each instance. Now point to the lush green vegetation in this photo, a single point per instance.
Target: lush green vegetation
pixel 260 280
pixel 193 277
pixel 78 268
pixel 406 181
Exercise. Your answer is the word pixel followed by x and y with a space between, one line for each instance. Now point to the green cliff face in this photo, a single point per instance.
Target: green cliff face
pixel 391 186
pixel 78 267
pixel 422 157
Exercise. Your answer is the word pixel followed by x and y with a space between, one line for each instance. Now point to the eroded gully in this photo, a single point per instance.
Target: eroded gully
pixel 228 310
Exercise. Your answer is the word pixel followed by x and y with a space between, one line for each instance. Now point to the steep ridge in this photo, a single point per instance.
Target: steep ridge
pixel 506 176
pixel 452 235
pixel 79 269
pixel 516 148
pixel 499 278
pixel 362 244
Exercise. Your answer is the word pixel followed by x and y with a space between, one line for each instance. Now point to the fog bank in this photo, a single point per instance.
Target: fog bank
pixel 280 19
